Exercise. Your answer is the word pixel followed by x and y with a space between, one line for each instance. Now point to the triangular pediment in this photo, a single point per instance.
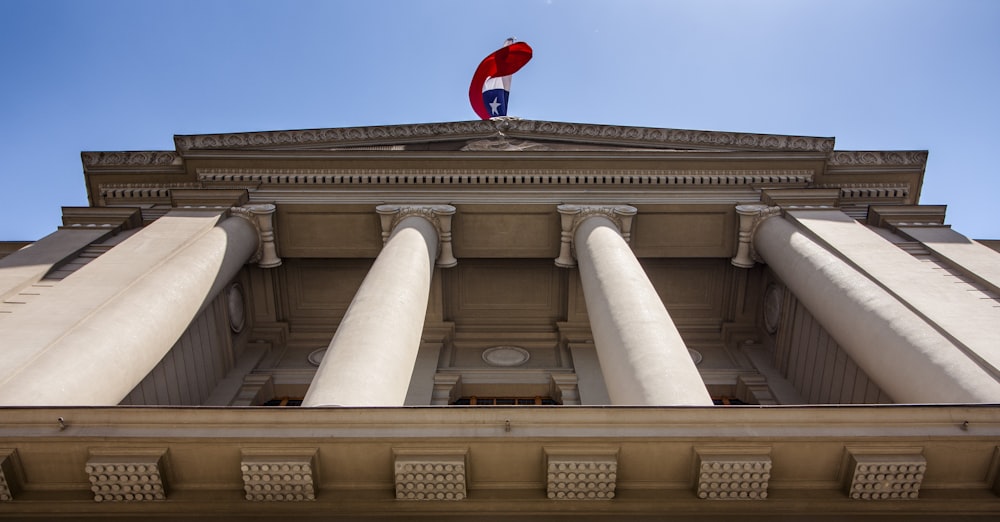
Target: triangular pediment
pixel 502 134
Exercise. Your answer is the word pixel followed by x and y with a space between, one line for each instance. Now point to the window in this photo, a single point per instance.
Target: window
pixel 505 401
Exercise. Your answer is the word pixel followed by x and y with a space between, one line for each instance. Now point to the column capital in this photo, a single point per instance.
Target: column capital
pixel 261 216
pixel 573 215
pixel 751 216
pixel 438 215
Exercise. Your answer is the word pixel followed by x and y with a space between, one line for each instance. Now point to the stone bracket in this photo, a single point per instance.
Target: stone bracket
pixel 872 475
pixel 751 216
pixel 733 473
pixel 429 474
pixel 273 475
pixel 581 474
pixel 438 215
pixel 573 215
pixel 127 475
pixel 261 216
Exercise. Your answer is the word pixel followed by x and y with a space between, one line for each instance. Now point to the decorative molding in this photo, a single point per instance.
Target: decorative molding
pixel 127 476
pixel 582 476
pixel 895 216
pixel 733 477
pixel 430 475
pixel 236 307
pixel 506 356
pixel 884 477
pixel 10 475
pixel 145 192
pixel 868 191
pixel 145 158
pixel 501 143
pixel 273 476
pixel 573 215
pixel 438 215
pixel 261 216
pixel 508 127
pixel 751 216
pixel 878 158
pixel 726 177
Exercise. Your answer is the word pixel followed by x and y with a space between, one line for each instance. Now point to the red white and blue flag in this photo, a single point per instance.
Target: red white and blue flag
pixel 489 91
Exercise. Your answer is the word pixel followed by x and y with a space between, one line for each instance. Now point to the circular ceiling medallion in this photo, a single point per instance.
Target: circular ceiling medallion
pixel 695 356
pixel 316 356
pixel 237 313
pixel 773 297
pixel 506 356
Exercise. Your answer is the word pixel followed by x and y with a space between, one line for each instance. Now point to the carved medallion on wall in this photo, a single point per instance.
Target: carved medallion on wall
pixel 506 356
pixel 316 356
pixel 237 310
pixel 773 297
pixel 696 356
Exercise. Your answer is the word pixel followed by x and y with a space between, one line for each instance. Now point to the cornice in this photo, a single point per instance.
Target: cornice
pixel 874 158
pixel 508 127
pixel 148 158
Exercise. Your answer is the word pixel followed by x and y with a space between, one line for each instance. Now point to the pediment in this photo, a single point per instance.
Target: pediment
pixel 502 134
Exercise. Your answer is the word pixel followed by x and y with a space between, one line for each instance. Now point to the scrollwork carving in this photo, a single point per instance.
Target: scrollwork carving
pixel 511 127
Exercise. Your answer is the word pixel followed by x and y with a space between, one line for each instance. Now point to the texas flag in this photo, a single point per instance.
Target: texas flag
pixel 489 91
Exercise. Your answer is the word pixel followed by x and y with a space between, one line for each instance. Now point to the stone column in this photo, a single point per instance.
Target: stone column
pixel 371 358
pixel 95 335
pixel 908 358
pixel 642 356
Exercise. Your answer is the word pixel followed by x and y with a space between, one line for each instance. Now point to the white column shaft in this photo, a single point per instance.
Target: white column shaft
pixel 371 358
pixel 93 337
pixel 905 356
pixel 642 355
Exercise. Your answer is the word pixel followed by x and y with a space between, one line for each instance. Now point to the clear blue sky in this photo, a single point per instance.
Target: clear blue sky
pixel 128 75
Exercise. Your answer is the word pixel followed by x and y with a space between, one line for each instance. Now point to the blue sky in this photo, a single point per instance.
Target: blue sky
pixel 128 75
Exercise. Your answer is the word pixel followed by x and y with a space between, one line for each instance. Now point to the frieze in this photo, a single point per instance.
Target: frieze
pixel 504 176
pixel 130 158
pixel 878 158
pixel 643 136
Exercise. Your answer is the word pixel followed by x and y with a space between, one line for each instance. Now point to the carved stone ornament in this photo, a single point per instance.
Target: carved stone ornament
pixel 437 215
pixel 506 356
pixel 261 217
pixel 581 477
pixel 870 158
pixel 885 477
pixel 573 215
pixel 236 307
pixel 511 128
pixel 130 158
pixel 430 476
pixel 500 143
pixel 751 216
pixel 279 477
pixel 127 477
pixel 733 477
pixel 773 298
pixel 253 177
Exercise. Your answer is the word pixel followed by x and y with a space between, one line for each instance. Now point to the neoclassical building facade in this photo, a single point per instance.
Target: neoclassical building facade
pixel 501 319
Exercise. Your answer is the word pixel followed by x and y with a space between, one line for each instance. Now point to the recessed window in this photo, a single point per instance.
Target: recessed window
pixel 284 401
pixel 505 401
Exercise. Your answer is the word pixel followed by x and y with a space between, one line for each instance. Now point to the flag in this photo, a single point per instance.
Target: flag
pixel 489 91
